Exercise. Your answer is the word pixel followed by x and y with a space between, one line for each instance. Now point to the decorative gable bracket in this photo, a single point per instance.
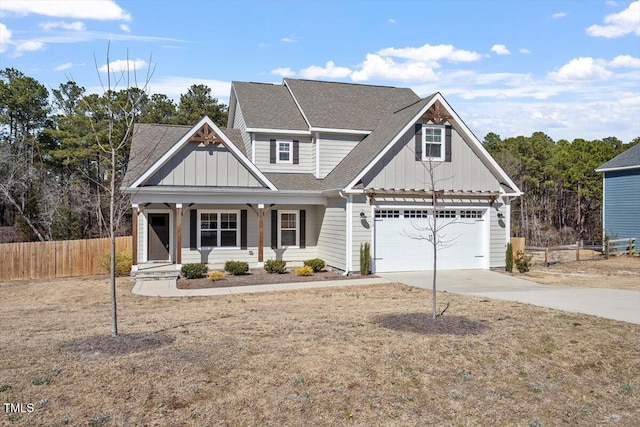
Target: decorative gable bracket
pixel 206 135
pixel 437 113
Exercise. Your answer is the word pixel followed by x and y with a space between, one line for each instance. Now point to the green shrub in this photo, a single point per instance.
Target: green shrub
pixel 194 271
pixel 304 271
pixel 216 275
pixel 236 268
pixel 508 258
pixel 123 262
pixel 365 258
pixel 523 262
pixel 275 266
pixel 316 264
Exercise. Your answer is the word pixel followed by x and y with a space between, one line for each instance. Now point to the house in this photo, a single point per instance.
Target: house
pixel 621 194
pixel 311 169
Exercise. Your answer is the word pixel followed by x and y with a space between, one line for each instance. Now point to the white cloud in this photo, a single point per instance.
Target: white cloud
pixel 5 38
pixel 431 54
pixel 288 40
pixel 28 46
pixel 500 49
pixel 524 50
pixel 625 61
pixel 125 28
pixel 283 72
pixel 123 65
pixel 104 10
pixel 75 26
pixel 611 3
pixel 392 21
pixel 63 67
pixel 619 24
pixel 174 86
pixel 262 44
pixel 585 68
pixel 328 71
pixel 559 15
pixel 377 67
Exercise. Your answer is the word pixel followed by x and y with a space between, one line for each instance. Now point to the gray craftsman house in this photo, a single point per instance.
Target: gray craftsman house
pixel 621 194
pixel 311 169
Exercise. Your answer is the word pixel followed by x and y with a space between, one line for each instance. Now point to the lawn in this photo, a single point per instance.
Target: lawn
pixel 362 356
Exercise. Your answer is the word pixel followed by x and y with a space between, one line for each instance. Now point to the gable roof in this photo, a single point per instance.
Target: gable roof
pixel 152 146
pixel 629 159
pixel 268 106
pixel 333 105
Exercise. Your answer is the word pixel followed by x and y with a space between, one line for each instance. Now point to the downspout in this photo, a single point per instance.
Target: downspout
pixel 349 227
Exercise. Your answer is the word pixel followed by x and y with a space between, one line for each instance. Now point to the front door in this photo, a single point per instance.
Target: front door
pixel 158 237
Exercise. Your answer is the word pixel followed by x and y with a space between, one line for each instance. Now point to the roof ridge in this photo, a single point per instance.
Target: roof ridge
pixel 165 125
pixel 413 103
pixel 348 83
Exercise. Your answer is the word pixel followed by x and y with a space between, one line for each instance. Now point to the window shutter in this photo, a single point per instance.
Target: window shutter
pixel 274 229
pixel 193 229
pixel 296 152
pixel 272 151
pixel 447 143
pixel 418 139
pixel 303 228
pixel 243 229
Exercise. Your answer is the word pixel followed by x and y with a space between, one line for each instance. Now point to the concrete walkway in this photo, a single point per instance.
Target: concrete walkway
pixel 614 304
pixel 168 288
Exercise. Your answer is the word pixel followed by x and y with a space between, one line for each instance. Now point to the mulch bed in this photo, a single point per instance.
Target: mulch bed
pixel 259 276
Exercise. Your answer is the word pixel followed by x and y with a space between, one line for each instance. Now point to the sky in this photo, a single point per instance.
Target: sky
pixel 570 69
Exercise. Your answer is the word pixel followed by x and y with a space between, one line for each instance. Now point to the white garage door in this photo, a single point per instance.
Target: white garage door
pixel 401 239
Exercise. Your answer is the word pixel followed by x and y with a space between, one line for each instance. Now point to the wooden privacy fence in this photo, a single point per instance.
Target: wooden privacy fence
pixel 581 251
pixel 65 258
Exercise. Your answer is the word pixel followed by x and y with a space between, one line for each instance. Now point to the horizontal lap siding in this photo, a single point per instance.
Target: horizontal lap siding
pixel 498 235
pixel 332 238
pixel 334 148
pixel 622 204
pixel 239 123
pixel 362 229
pixel 263 147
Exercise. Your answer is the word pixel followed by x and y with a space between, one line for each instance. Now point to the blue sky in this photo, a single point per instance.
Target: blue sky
pixel 568 68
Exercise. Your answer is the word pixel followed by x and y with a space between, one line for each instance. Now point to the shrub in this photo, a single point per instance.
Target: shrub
pixel 304 271
pixel 275 266
pixel 236 268
pixel 316 264
pixel 365 258
pixel 523 262
pixel 123 262
pixel 216 275
pixel 194 270
pixel 508 258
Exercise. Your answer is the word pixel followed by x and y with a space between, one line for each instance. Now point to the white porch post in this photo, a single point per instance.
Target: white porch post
pixel 178 236
pixel 134 236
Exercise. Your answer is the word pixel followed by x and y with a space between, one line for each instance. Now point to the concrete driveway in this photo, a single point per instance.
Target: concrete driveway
pixel 614 304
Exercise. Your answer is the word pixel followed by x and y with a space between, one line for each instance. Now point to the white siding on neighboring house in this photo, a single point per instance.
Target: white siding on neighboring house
pixel 263 147
pixel 238 123
pixel 332 239
pixel 399 168
pixel 334 148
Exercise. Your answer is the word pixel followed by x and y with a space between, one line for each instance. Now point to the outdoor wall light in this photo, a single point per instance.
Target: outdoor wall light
pixel 500 215
pixel 362 215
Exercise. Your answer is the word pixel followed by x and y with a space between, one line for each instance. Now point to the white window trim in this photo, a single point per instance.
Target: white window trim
pixel 290 144
pixel 297 214
pixel 216 211
pixel 425 156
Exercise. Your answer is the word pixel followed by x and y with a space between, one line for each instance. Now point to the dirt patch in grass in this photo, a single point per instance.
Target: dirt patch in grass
pixel 310 358
pixel 622 272
pixel 424 323
pixel 259 276
pixel 108 345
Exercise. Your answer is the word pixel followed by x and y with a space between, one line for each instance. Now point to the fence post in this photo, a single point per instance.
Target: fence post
pixel 546 256
pixel 630 246
pixel 577 250
pixel 608 249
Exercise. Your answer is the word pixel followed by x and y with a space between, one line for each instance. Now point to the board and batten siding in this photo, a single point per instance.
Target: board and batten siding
pixel 399 168
pixel 239 123
pixel 208 166
pixel 333 232
pixel 263 147
pixel 622 204
pixel 334 148
pixel 217 257
pixel 498 235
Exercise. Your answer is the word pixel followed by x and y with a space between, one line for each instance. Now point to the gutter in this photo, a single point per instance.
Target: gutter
pixel 349 228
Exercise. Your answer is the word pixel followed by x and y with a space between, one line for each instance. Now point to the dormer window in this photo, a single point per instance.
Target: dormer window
pixel 433 143
pixel 284 151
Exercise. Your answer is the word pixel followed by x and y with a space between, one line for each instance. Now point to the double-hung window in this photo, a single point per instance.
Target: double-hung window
pixel 218 229
pixel 289 228
pixel 433 143
pixel 285 152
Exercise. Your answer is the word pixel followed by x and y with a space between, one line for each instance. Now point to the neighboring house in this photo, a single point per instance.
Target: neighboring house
pixel 314 169
pixel 621 194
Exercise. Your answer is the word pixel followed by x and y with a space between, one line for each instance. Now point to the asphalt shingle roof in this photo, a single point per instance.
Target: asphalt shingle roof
pixel 268 106
pixel 346 105
pixel 627 159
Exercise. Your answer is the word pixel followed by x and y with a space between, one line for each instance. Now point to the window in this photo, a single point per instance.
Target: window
pixel 445 214
pixel 416 214
pixel 386 213
pixel 284 152
pixel 433 143
pixel 218 229
pixel 289 235
pixel 471 214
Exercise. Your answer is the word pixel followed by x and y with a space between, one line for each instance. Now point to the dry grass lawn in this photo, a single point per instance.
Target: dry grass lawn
pixel 622 272
pixel 361 356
